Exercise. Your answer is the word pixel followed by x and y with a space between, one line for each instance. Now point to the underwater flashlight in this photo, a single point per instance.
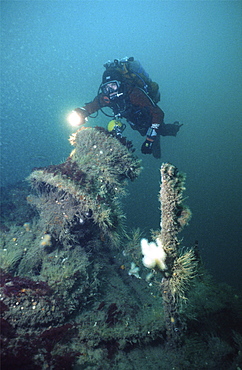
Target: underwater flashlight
pixel 75 118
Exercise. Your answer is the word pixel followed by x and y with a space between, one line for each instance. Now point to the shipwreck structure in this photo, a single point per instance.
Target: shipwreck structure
pixel 83 193
pixel 74 291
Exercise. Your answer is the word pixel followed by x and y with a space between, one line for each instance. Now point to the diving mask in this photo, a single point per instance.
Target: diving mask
pixel 111 88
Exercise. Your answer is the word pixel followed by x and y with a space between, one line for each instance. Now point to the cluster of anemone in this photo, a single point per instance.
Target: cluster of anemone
pixel 185 269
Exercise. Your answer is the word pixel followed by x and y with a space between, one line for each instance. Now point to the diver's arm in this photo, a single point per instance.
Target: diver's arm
pixel 139 98
pixel 79 115
pixel 99 102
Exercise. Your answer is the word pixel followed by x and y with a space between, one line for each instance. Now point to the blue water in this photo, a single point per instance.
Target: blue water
pixel 52 60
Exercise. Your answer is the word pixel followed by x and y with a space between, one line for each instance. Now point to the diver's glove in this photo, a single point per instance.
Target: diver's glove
pixel 146 147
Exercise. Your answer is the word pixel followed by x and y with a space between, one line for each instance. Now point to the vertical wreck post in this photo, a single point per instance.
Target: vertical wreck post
pixel 181 264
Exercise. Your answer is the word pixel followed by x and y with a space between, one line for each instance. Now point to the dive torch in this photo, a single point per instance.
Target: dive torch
pixel 77 117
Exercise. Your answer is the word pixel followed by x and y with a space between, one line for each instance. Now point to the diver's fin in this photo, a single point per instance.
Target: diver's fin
pixel 169 129
pixel 156 150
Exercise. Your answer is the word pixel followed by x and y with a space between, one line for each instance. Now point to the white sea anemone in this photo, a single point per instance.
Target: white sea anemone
pixel 154 254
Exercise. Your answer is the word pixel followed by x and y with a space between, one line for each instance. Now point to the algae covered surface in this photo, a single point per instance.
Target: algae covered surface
pixel 74 291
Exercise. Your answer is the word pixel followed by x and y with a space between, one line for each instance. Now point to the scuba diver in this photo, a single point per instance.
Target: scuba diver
pixel 127 89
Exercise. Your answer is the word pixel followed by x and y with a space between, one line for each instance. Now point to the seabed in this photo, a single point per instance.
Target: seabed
pixel 74 291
